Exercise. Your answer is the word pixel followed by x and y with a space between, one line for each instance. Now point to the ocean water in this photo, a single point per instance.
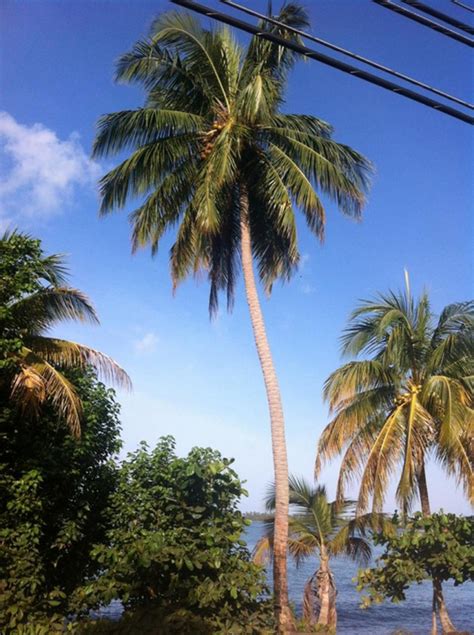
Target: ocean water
pixel 412 617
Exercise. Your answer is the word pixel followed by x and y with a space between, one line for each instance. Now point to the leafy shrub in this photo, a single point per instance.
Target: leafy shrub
pixel 54 492
pixel 174 546
pixel 437 547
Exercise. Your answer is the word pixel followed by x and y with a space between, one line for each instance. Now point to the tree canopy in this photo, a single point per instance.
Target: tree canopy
pixel 212 125
pixel 438 547
pixel 54 492
pixel 411 398
pixel 34 297
pixel 175 545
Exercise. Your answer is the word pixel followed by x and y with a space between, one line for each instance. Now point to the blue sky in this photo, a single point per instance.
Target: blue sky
pixel 196 379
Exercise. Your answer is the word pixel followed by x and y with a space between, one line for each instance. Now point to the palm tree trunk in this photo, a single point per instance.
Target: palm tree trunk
pixel 439 605
pixel 423 491
pixel 280 462
pixel 310 601
pixel 327 595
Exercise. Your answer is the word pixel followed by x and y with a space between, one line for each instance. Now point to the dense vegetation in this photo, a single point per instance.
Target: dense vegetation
pixel 54 492
pixel 79 529
pixel 174 545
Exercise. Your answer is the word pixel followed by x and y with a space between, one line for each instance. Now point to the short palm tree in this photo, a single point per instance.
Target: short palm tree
pixel 411 399
pixel 32 370
pixel 318 527
pixel 212 155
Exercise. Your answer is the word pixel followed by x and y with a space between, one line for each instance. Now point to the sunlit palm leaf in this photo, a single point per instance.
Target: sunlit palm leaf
pixel 67 354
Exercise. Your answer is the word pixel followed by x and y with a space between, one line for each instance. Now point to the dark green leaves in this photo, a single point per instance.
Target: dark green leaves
pixel 173 542
pixel 436 547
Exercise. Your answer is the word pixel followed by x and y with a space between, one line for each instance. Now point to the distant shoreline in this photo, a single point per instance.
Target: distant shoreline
pixel 258 516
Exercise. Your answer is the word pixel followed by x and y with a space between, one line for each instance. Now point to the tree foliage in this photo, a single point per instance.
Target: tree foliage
pixel 212 124
pixel 175 542
pixel 410 399
pixel 438 547
pixel 34 297
pixel 54 492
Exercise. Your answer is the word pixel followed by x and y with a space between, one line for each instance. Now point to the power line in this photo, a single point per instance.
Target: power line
pixel 411 15
pixel 424 8
pixel 463 6
pixel 325 59
pixel 339 49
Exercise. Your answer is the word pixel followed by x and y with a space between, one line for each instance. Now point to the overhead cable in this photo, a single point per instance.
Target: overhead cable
pixel 463 6
pixel 324 59
pixel 411 15
pixel 425 8
pixel 354 56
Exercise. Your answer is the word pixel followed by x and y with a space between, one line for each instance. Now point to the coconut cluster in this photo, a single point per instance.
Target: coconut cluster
pixel 210 139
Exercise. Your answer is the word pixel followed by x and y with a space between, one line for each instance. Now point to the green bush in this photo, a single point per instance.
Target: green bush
pixel 174 546
pixel 440 547
pixel 54 491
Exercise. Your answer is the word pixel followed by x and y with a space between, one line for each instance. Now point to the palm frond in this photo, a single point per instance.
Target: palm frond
pixel 50 305
pixel 66 354
pixel 131 129
pixel 38 381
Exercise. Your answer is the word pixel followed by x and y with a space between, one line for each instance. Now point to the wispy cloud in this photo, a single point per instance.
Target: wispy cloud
pixel 146 344
pixel 307 288
pixel 40 172
pixel 304 260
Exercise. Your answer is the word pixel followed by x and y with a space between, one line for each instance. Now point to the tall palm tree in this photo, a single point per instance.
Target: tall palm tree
pixel 32 369
pixel 212 155
pixel 318 527
pixel 412 398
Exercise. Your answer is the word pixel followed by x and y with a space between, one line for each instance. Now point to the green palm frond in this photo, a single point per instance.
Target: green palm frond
pixel 145 169
pixel 201 50
pixel 210 127
pixel 317 524
pixel 131 129
pixel 356 379
pixel 49 305
pixel 35 297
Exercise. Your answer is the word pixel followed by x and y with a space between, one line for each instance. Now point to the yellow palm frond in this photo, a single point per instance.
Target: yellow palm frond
pixel 46 382
pixel 66 354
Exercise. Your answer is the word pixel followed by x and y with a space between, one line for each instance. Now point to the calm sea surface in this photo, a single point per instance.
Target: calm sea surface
pixel 412 617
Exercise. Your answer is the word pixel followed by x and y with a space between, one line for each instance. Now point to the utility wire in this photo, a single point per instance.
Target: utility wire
pixel 354 56
pixel 462 5
pixel 425 8
pixel 324 59
pixel 387 4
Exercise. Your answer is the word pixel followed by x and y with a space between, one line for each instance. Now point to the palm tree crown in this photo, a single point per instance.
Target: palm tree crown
pixel 35 297
pixel 318 524
pixel 413 396
pixel 210 127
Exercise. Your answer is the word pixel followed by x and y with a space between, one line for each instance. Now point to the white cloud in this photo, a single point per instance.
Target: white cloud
pixel 40 172
pixel 146 344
